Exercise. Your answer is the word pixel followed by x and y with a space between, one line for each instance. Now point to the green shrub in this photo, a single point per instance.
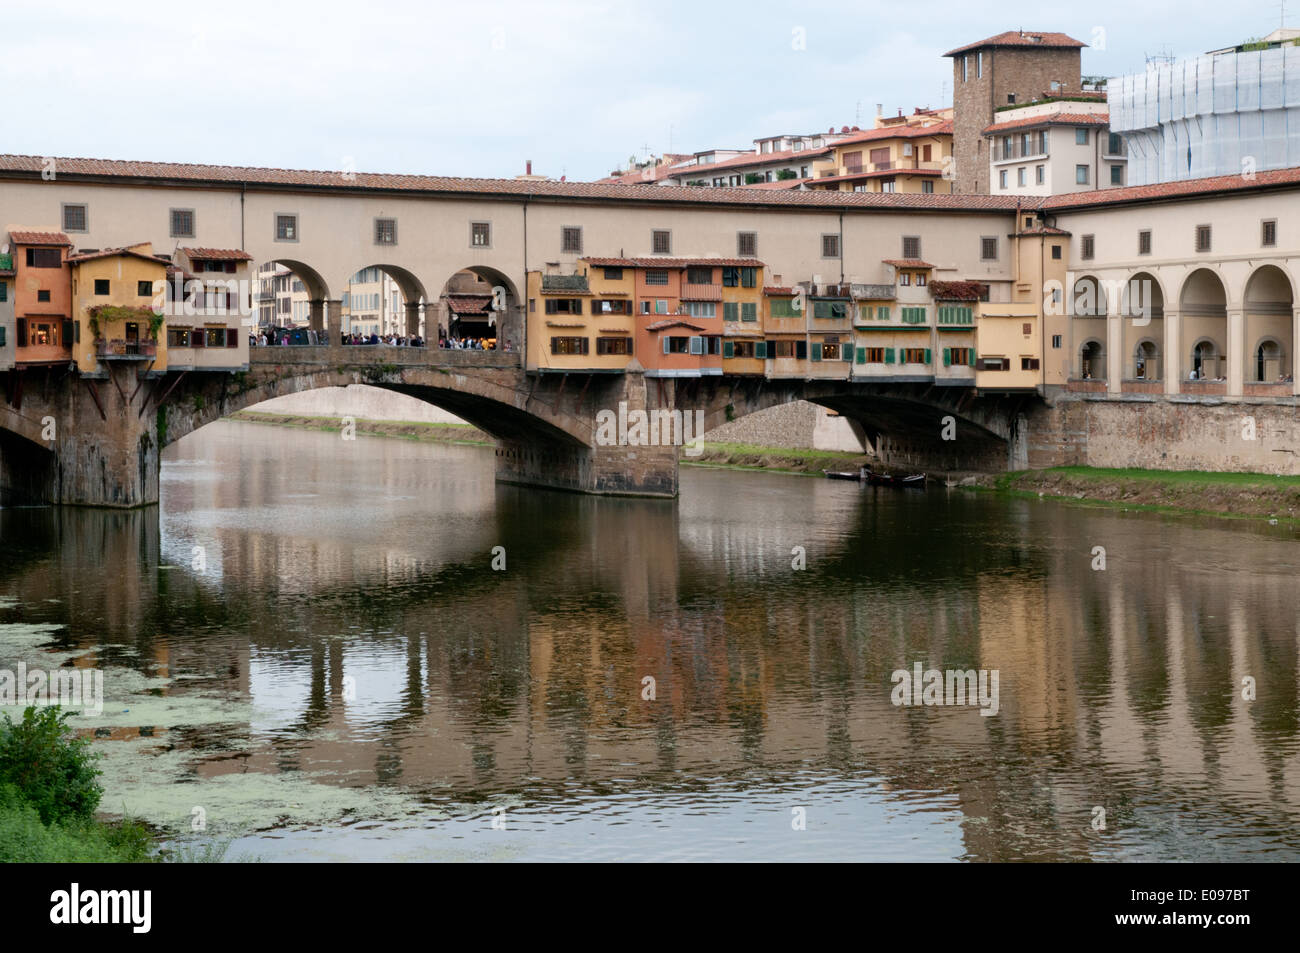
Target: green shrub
pixel 48 766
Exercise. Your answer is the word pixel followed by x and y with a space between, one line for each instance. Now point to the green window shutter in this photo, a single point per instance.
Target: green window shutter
pixel 760 350
pixel 2 337
pixel 730 311
pixel 846 352
pixel 728 349
pixel 927 355
pixel 816 351
pixel 665 339
pixel 947 357
pixel 749 311
pixel 889 355
pixel 862 355
pixel 882 312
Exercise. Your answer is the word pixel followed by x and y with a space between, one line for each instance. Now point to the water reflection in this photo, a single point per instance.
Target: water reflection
pixel 347 607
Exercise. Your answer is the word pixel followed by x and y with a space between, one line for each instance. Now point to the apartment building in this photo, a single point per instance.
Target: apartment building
pixel 42 283
pixel 7 275
pixel 907 157
pixel 114 294
pixel 1055 147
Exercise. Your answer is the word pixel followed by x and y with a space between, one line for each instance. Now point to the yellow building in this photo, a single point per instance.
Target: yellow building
pixel 906 158
pixel 116 304
pixel 583 321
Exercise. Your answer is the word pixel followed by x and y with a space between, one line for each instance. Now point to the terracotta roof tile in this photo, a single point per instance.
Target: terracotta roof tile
pixel 29 167
pixel 906 263
pixel 883 174
pixel 778 291
pixel 33 237
pixel 1022 38
pixel 216 254
pixel 898 132
pixel 469 304
pixel 778 184
pixel 750 158
pixel 672 323
pixel 1051 119
pixel 673 263
pixel 115 253
pixel 1173 190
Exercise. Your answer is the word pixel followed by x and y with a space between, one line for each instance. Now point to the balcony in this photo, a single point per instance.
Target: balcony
pixel 1014 151
pixel 120 350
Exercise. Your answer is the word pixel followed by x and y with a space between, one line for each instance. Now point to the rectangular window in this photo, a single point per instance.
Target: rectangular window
pixel 1268 232
pixel 656 276
pixel 1029 363
pixel 44 258
pixel 385 231
pixel 1002 179
pixel 958 356
pixel 480 234
pixel 965 68
pixel 730 311
pixel 1115 144
pixel 564 306
pixel 1056 341
pixel 1116 174
pixel 101 286
pixel 43 297
pixel 661 241
pixel 749 277
pixel 699 276
pixel 613 274
pixel 74 218
pixel 911 246
pixel 747 244
pixel 988 249
pixel 1088 247
pixel 749 311
pixel 144 289
pixel 1039 174
pixel 608 345
pixel 700 309
pixel 979 64
pixel 570 345
pixel 286 228
pixel 571 239
pixel 1080 175
pixel 661 306
pixel 913 315
pixel 915 355
pixel 182 223
pixel 830 246
pixel 783 308
pixel 4 291
pixel 730 277
pixel 618 306
pixel 927 186
pixel 872 355
pixel 1144 242
pixel 1081 136
pixel 1202 238
pixel 178 337
pixel 1056 252
pixel 1020 176
pixel 905 278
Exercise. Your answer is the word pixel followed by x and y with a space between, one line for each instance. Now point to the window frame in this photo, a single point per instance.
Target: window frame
pixel 565 231
pixel 85 216
pixel 171 223
pixel 275 227
pixel 487 226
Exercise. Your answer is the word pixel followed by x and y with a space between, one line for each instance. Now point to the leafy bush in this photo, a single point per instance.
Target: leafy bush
pixel 48 766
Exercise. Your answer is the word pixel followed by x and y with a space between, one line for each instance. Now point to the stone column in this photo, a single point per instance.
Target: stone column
pixel 334 317
pixel 1295 343
pixel 1114 349
pixel 413 319
pixel 317 306
pixel 1171 363
pixel 1236 351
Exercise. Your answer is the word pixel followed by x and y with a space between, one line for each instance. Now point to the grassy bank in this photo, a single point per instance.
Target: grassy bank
pixel 403 429
pixel 1247 495
pixel 748 456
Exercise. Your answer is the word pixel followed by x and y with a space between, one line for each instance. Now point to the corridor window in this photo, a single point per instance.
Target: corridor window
pixel 661 241
pixel 911 246
pixel 480 234
pixel 1268 232
pixel 1202 238
pixel 1089 247
pixel 385 231
pixel 1144 242
pixel 988 249
pixel 74 218
pixel 571 239
pixel 747 244
pixel 830 246
pixel 286 228
pixel 182 223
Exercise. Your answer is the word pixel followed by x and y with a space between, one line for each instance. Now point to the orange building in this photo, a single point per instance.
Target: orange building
pixel 43 328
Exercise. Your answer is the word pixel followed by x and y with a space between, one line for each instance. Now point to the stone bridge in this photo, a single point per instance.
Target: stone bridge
pixel 65 439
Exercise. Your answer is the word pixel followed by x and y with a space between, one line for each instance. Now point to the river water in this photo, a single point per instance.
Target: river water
pixel 308 654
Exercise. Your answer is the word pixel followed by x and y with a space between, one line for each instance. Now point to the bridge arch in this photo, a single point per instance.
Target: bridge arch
pixel 365 307
pixel 478 301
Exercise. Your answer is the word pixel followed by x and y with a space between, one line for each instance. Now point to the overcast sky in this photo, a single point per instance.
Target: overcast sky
pixel 477 88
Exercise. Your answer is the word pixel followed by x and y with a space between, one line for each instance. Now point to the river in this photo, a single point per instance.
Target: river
pixel 309 655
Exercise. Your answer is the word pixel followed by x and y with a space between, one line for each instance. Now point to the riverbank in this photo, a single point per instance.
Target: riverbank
pixel 746 456
pixel 1243 495
pixel 404 429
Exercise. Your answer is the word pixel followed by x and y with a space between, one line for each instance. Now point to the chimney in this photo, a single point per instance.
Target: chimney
pixel 880 109
pixel 528 167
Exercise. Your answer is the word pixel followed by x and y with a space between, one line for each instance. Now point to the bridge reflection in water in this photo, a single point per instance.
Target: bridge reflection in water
pixel 348 597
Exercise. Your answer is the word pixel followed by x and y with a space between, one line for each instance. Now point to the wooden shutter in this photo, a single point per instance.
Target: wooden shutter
pixel 801 350
pixel 947 357
pixel 760 350
pixel 889 355
pixel 816 351
pixel 862 355
pixel 22 332
pixel 728 349
pixel 66 339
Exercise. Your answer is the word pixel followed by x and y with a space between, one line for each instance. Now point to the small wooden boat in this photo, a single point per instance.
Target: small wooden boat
pixel 916 480
pixel 853 475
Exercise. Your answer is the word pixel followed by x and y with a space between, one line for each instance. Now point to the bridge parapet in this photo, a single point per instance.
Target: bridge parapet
pixel 379 355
